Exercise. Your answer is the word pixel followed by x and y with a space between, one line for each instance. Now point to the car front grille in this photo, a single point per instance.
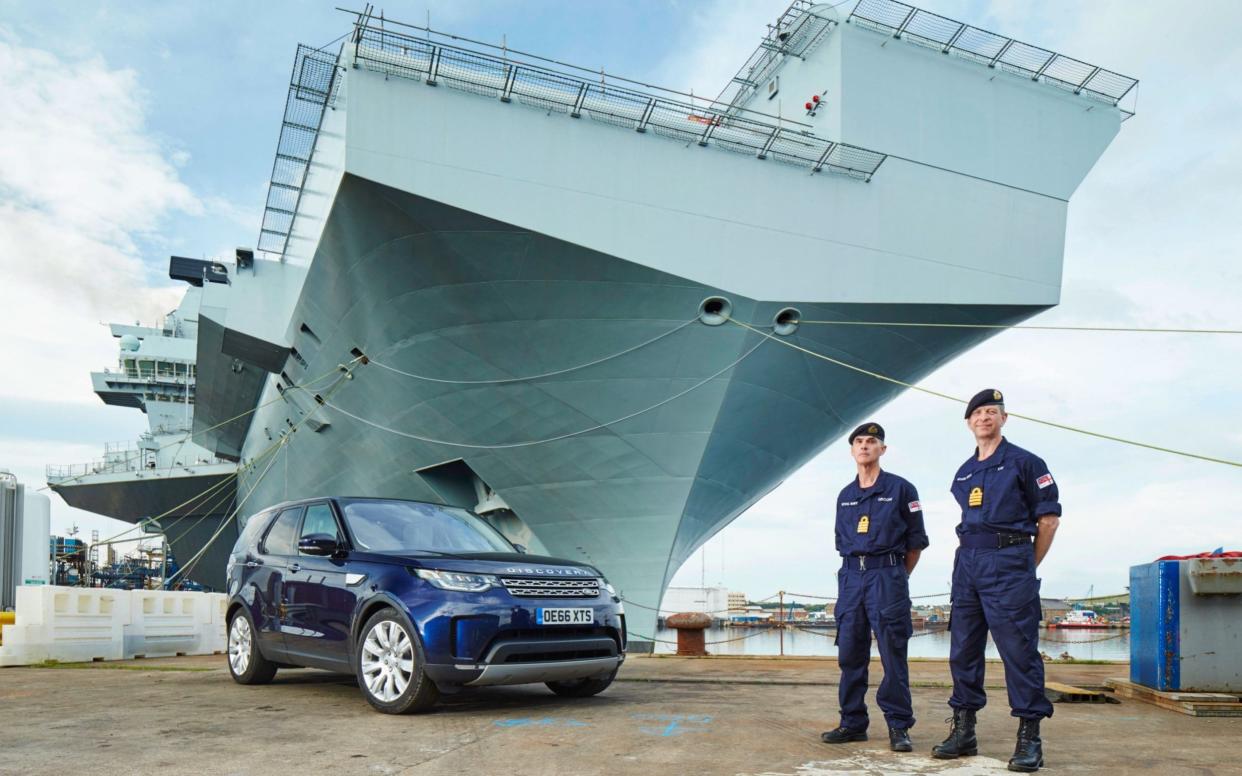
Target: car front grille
pixel 524 587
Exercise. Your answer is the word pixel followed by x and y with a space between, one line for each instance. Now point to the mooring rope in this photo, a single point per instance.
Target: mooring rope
pixel 530 378
pixel 557 438
pixel 1041 421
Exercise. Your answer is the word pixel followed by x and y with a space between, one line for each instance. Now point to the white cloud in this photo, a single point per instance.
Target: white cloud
pixel 81 183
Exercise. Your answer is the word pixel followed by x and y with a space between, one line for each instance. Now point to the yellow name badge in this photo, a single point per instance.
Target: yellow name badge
pixel 864 524
pixel 976 497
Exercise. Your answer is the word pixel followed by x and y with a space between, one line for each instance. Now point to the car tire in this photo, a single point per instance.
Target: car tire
pixel 391 666
pixel 581 688
pixel 246 663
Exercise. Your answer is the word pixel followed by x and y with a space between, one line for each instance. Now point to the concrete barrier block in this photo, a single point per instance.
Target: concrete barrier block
pixel 72 624
pixel 164 623
pixel 67 624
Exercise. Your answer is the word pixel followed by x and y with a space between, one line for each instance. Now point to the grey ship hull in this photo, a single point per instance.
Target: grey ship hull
pixel 440 291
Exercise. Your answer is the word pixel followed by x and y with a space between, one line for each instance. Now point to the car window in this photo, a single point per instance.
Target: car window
pixel 279 540
pixel 408 526
pixel 319 520
pixel 250 532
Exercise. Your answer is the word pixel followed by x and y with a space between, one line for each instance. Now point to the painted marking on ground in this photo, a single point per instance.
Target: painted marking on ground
pixel 540 722
pixel 882 763
pixel 674 724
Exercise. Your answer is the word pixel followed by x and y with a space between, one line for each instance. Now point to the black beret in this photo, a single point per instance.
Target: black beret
pixel 868 429
pixel 984 398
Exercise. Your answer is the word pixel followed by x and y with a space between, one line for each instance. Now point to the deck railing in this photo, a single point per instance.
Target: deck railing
pixel 795 34
pixel 953 37
pixel 311 88
pixel 137 463
pixel 508 80
pixel 316 80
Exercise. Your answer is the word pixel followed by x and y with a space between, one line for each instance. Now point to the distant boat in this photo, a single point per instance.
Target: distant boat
pixel 1083 618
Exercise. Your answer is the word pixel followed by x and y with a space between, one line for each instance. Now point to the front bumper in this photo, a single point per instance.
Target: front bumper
pixel 528 661
pixel 517 661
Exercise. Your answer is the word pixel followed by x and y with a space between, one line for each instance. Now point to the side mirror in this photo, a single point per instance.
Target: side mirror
pixel 318 544
pixel 520 548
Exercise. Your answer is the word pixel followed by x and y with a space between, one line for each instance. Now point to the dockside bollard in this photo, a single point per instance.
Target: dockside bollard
pixel 690 627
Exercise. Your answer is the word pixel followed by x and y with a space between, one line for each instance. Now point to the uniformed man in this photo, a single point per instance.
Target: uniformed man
pixel 880 535
pixel 1009 516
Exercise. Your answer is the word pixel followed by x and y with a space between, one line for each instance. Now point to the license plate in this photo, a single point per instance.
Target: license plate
pixel 564 616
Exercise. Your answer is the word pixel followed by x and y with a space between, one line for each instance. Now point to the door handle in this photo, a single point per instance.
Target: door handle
pixel 252 565
pixel 295 567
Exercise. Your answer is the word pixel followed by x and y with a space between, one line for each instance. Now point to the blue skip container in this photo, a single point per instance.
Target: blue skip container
pixel 1186 625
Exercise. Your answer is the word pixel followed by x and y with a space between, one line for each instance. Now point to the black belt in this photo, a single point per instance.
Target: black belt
pixel 993 541
pixel 864 562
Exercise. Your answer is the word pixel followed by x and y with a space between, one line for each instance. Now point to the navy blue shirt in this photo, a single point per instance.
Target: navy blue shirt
pixel 883 518
pixel 1005 493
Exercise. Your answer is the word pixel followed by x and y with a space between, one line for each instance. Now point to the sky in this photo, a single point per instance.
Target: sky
pixel 135 130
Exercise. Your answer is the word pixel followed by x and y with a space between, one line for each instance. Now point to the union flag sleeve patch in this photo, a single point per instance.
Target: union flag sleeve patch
pixel 914 506
pixel 1044 481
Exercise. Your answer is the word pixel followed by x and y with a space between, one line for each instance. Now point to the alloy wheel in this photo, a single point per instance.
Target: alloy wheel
pixel 240 644
pixel 387 660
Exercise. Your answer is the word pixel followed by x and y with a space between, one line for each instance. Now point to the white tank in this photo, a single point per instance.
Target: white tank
pixel 25 534
pixel 36 551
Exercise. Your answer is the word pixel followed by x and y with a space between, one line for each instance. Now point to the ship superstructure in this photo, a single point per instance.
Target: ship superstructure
pixel 165 474
pixel 493 282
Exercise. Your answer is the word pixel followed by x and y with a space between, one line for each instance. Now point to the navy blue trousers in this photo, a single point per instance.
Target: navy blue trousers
pixel 997 591
pixel 877 599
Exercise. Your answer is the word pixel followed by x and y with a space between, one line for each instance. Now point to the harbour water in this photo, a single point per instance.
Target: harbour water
pixel 1080 644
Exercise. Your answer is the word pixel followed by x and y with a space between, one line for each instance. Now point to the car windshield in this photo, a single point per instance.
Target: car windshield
pixel 409 527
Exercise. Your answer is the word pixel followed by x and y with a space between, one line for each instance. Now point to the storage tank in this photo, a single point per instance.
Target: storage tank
pixel 25 525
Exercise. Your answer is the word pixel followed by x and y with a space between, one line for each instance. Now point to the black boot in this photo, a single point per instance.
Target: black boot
pixel 961 741
pixel 1028 755
pixel 899 740
pixel 843 735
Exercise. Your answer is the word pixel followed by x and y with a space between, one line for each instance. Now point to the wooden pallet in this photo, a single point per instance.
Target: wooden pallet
pixel 1067 693
pixel 1195 704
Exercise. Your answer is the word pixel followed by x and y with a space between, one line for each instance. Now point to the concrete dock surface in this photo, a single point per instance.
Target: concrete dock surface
pixel 664 715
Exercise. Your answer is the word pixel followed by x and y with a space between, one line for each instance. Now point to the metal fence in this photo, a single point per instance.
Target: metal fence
pixel 316 80
pixel 953 37
pixel 508 80
pixel 795 33
pixel 139 461
pixel 310 89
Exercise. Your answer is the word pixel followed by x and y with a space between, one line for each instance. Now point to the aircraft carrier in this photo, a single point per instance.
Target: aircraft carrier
pixel 489 279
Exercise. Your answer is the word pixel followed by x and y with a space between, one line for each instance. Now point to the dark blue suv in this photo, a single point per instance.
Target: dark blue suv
pixel 414 599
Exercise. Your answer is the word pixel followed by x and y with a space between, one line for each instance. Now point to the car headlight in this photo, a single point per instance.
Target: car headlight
pixel 456 580
pixel 612 591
